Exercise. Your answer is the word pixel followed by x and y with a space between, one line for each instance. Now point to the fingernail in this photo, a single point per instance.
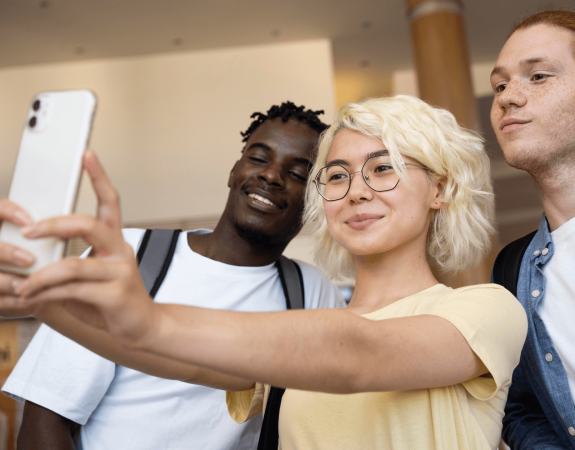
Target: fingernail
pixel 23 257
pixel 22 218
pixel 30 231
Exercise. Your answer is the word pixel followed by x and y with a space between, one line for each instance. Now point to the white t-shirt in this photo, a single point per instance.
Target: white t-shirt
pixel 124 409
pixel 557 307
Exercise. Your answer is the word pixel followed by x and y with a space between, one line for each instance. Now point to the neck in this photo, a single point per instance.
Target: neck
pixel 226 246
pixel 558 188
pixel 386 278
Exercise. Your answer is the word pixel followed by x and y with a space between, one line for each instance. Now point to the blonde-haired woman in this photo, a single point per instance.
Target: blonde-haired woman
pixel 423 366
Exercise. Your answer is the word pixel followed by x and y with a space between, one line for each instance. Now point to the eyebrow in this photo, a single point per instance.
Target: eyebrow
pixel 343 162
pixel 497 70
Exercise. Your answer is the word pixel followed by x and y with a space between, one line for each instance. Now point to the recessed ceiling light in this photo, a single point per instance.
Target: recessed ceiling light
pixel 177 41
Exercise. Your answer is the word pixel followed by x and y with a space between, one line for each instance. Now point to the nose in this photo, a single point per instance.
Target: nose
pixel 359 191
pixel 272 175
pixel 514 95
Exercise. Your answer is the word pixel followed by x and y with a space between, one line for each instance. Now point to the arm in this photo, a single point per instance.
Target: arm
pixel 101 342
pixel 525 426
pixel 332 351
pixel 43 429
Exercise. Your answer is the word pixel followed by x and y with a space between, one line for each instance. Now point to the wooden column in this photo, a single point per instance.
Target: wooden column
pixel 441 58
pixel 444 77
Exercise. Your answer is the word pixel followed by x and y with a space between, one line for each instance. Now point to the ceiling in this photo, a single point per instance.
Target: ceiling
pixel 367 35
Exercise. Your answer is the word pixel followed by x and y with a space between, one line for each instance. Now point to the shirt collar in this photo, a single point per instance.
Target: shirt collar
pixel 541 241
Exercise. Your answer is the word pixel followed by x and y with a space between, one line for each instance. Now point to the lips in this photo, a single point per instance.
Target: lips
pixel 512 123
pixel 362 221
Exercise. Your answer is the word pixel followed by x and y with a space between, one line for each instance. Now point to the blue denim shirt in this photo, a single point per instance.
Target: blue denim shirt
pixel 540 412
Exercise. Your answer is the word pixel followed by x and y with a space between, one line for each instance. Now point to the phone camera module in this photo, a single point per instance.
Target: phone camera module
pixel 36 105
pixel 32 121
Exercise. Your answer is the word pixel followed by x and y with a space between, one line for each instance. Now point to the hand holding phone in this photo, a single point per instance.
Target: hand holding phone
pixel 48 168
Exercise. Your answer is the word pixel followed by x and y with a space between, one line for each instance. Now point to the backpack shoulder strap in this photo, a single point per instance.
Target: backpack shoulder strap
pixel 292 284
pixel 508 263
pixel 155 255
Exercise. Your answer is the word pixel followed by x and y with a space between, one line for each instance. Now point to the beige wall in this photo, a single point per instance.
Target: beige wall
pixel 167 127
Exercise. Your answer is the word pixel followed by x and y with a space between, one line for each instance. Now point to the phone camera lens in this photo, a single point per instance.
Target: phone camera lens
pixel 32 121
pixel 36 105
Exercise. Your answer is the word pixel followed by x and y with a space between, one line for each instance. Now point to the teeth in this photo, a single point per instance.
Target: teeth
pixel 262 199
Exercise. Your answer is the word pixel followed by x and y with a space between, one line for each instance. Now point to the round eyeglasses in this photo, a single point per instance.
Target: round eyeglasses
pixel 334 181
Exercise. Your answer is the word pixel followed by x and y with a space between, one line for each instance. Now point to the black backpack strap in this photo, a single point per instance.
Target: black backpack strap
pixel 155 255
pixel 508 263
pixel 292 284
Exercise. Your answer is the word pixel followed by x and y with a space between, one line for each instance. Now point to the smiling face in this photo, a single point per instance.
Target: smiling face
pixel 366 222
pixel 267 184
pixel 534 107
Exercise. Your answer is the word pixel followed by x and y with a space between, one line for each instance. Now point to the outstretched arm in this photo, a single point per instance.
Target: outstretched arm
pixel 331 351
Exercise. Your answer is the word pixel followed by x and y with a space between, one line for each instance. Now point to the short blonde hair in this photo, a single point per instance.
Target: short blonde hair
pixel 460 232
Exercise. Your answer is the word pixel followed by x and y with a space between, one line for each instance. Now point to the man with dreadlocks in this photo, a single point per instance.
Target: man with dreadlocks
pixel 71 392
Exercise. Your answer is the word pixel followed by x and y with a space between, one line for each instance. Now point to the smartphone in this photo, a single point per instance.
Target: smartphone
pixel 48 168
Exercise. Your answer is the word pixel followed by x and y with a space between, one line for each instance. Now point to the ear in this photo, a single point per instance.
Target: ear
pixel 437 201
pixel 232 174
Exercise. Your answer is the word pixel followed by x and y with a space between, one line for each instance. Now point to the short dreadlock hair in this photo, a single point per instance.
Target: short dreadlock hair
pixel 286 111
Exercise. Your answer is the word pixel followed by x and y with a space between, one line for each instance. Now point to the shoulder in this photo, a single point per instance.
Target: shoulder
pixel 489 303
pixel 319 291
pixel 489 295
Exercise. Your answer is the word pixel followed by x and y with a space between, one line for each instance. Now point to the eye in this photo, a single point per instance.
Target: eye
pixel 337 177
pixel 383 168
pixel 500 87
pixel 299 176
pixel 257 160
pixel 540 77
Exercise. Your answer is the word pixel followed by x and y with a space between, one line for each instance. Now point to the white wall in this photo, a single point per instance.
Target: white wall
pixel 167 127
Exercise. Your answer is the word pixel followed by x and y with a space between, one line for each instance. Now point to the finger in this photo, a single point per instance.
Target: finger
pixel 15 256
pixel 103 239
pixel 108 199
pixel 69 270
pixel 11 212
pixel 8 283
pixel 89 293
pixel 12 306
pixel 126 320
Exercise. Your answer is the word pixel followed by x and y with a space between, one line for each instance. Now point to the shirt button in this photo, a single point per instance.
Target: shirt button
pixel 571 431
pixel 535 293
pixel 545 251
pixel 548 357
pixel 536 252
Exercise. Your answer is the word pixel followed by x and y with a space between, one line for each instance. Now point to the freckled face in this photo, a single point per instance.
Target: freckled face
pixel 366 222
pixel 533 113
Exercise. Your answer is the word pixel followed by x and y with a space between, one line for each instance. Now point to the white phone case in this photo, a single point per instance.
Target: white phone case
pixel 48 168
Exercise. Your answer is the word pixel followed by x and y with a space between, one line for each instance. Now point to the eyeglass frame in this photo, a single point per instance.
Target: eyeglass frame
pixel 317 183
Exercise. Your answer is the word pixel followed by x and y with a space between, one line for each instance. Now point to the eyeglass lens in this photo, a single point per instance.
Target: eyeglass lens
pixel 334 181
